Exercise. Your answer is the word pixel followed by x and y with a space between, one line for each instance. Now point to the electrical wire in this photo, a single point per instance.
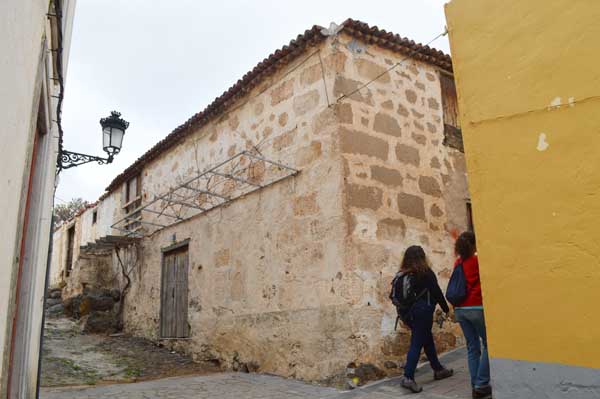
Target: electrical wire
pixel 410 55
pixel 60 199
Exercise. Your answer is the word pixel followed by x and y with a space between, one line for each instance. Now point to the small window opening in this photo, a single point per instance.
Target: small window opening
pixel 133 200
pixel 452 132
pixel 70 247
pixel 94 217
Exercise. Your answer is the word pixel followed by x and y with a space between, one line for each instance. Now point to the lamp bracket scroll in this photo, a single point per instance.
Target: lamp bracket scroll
pixel 113 131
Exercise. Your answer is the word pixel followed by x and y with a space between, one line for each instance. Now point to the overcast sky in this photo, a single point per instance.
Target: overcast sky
pixel 160 62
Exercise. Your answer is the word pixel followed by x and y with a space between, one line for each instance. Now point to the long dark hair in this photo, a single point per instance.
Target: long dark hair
pixel 415 261
pixel 465 246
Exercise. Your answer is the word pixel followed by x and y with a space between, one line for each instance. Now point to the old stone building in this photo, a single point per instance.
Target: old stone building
pixel 268 227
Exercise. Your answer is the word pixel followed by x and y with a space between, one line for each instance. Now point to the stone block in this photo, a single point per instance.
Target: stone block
pixel 364 196
pixel 429 185
pixel 419 138
pixel 431 127
pixel 52 301
pixel 344 86
pixel 411 96
pixel 402 110
pixel 72 306
pixel 386 124
pixel 355 142
pixel 101 323
pixel 258 108
pixel 306 102
pixel 344 113
pixel 370 70
pixel 310 75
pixel 324 119
pixel 283 119
pixel 284 140
pixel 407 154
pixel 55 310
pixel 387 176
pixel 282 92
pixel 436 211
pixel 335 62
pixel 411 205
pixel 433 103
pixel 387 105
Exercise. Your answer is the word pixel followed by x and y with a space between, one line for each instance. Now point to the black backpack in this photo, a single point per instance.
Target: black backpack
pixel 404 295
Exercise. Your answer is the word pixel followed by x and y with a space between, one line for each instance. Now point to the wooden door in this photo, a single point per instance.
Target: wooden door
pixel 174 294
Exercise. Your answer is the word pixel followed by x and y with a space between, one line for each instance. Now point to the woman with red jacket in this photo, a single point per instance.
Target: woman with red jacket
pixel 469 314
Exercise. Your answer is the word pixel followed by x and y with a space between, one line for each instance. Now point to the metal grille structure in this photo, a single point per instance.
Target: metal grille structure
pixel 242 174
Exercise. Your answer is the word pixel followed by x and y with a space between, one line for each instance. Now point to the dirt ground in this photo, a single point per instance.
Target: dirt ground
pixel 72 358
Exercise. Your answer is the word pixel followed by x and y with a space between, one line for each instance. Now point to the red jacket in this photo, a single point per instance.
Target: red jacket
pixel 471 269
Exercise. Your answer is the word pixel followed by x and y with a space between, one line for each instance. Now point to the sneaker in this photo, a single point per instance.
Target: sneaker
pixel 411 385
pixel 484 392
pixel 443 373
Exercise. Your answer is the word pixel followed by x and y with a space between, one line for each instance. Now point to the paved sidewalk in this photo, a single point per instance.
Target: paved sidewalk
pixel 255 386
pixel 455 387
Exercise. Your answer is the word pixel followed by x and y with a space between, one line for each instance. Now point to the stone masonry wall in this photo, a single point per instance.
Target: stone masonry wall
pixel 264 270
pixel 402 185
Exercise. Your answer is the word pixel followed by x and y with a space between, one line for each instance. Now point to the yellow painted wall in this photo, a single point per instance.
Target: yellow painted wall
pixel 536 202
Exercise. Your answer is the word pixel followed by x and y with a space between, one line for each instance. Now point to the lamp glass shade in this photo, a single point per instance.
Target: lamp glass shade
pixel 113 130
pixel 116 139
pixel 106 137
pixel 112 139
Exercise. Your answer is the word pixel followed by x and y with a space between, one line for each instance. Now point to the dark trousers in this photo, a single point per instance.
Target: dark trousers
pixel 420 321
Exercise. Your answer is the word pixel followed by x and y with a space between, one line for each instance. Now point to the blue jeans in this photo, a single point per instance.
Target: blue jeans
pixel 420 323
pixel 472 322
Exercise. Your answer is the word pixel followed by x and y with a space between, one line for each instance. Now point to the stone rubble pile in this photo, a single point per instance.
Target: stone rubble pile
pixel 96 309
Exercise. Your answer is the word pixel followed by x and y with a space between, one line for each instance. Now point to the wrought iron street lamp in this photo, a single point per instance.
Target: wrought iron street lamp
pixel 113 130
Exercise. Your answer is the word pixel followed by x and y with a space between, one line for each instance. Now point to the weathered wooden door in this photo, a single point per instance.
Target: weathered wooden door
pixel 174 294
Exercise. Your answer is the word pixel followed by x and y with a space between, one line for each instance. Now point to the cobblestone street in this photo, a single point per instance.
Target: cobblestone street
pixel 237 385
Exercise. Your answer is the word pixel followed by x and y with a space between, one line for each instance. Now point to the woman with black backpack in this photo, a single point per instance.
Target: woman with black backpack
pixel 416 291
